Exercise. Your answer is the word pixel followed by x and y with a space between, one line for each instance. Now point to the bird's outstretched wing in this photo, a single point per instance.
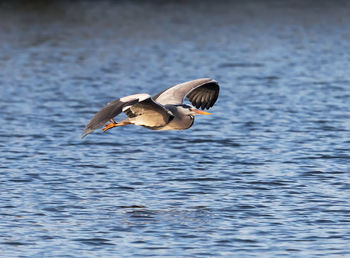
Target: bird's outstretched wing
pixel 111 110
pixel 202 93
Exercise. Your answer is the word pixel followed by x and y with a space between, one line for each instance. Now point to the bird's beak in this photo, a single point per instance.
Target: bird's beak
pixel 200 112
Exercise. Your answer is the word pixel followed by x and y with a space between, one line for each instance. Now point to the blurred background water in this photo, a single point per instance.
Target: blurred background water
pixel 267 174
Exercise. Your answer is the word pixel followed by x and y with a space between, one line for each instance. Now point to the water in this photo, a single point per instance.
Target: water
pixel 267 174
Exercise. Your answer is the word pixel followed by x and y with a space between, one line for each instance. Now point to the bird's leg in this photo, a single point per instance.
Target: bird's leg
pixel 109 125
pixel 113 123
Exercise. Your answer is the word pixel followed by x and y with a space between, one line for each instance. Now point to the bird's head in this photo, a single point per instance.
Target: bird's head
pixel 192 111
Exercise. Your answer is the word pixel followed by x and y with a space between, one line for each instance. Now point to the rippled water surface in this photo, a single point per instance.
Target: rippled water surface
pixel 266 174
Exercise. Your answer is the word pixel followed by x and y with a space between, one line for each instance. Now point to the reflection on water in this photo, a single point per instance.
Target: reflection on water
pixel 265 174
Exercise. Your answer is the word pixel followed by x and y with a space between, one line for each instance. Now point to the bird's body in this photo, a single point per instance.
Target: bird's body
pixel 164 111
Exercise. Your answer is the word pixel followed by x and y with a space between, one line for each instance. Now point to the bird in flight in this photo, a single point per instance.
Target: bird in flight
pixel 164 111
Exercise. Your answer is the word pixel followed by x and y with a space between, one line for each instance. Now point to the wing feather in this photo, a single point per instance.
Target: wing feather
pixel 111 110
pixel 202 93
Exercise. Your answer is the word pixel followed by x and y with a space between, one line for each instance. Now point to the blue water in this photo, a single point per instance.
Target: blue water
pixel 267 174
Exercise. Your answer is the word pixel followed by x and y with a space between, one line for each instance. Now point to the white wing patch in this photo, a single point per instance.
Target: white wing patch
pixel 140 97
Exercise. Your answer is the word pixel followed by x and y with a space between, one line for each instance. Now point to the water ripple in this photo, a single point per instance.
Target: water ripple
pixel 265 175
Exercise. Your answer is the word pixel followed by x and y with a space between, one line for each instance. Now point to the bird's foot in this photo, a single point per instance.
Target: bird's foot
pixel 109 126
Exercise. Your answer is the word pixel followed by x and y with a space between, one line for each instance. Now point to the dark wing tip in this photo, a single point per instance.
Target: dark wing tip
pixel 205 95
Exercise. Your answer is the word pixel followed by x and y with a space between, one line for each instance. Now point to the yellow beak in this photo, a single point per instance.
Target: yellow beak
pixel 200 112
